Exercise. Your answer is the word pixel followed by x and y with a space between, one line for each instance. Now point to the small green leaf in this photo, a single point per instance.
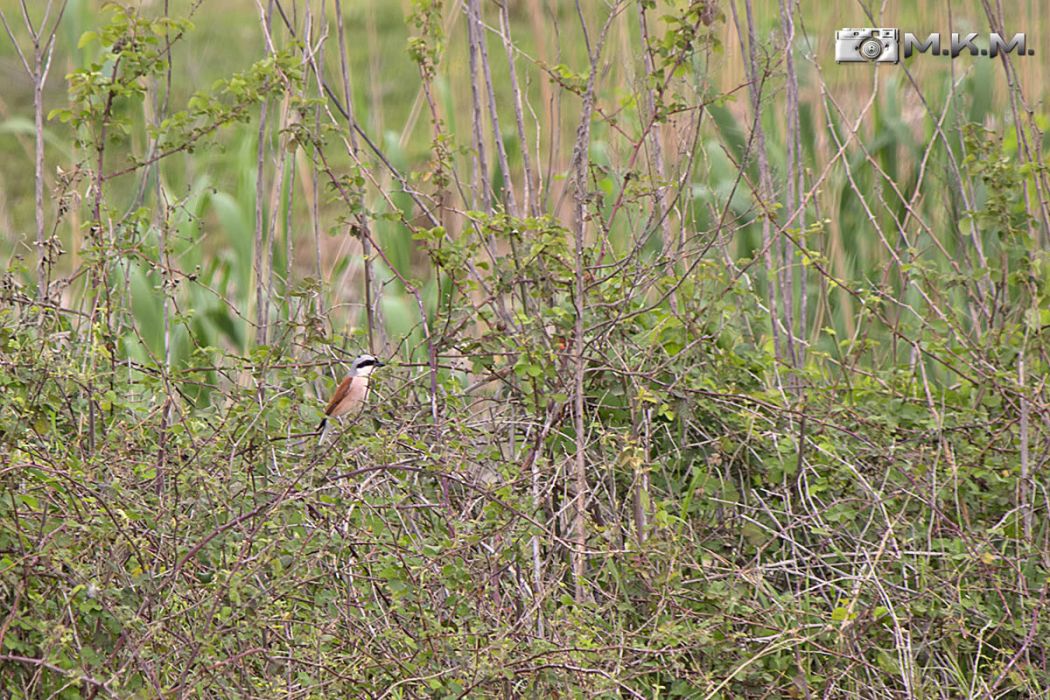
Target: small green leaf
pixel 86 38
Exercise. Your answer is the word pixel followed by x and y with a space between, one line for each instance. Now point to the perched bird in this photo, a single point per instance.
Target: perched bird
pixel 351 393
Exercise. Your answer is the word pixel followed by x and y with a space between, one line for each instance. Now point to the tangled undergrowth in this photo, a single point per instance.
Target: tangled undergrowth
pixel 651 425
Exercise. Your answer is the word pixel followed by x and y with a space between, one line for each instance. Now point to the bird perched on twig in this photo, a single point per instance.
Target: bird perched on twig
pixel 351 393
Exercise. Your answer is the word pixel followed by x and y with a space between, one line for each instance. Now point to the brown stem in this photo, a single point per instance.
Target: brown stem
pixel 473 8
pixel 360 218
pixel 580 163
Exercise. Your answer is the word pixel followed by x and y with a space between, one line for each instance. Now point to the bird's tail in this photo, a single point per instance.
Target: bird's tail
pixel 322 428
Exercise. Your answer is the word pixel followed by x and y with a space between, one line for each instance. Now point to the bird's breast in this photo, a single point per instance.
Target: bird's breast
pixel 356 392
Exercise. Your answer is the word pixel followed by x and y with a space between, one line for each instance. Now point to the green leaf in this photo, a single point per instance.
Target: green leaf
pixel 86 38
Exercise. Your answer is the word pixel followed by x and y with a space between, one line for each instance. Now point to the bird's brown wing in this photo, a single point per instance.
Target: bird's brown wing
pixel 339 395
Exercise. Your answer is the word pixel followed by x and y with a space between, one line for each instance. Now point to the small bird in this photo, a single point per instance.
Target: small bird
pixel 351 393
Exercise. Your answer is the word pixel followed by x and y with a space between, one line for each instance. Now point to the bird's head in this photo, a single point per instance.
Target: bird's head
pixel 363 365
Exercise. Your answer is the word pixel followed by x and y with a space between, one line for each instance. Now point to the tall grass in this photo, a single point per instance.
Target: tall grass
pixel 716 369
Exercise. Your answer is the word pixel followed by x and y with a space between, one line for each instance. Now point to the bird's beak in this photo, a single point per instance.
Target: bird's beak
pixel 380 364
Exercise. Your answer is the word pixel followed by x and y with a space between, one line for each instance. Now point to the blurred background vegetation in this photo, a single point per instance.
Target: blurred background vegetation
pixel 219 184
pixel 718 369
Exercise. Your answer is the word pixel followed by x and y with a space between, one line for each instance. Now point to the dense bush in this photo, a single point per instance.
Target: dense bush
pixel 700 403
